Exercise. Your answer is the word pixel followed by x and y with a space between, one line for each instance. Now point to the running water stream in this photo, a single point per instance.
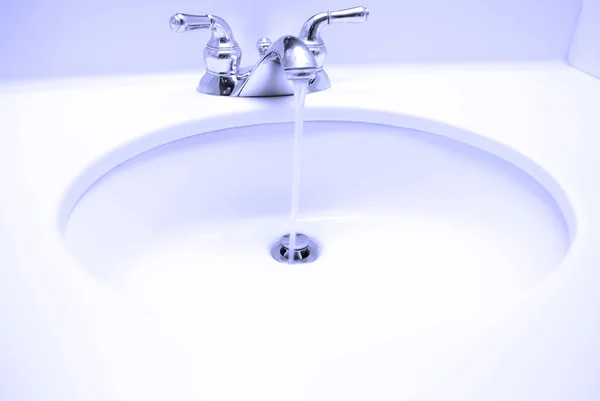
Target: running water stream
pixel 300 88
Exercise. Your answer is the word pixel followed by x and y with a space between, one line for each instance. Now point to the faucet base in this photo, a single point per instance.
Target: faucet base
pixel 268 81
pixel 320 83
pixel 285 60
pixel 220 85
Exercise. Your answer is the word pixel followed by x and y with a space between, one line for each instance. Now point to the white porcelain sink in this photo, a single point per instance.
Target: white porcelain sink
pixel 416 231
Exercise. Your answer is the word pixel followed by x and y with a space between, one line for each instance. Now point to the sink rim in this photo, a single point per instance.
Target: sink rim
pixel 96 169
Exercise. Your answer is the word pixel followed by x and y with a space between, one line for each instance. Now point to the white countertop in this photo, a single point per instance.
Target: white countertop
pixel 66 331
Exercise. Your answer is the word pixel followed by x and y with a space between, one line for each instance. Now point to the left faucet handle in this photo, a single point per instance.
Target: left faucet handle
pixel 221 34
pixel 222 53
pixel 186 22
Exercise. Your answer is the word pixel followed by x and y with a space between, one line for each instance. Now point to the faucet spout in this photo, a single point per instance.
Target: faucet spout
pixel 295 58
pixel 286 60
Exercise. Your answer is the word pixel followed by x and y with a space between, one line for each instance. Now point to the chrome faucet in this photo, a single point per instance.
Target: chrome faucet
pixel 287 59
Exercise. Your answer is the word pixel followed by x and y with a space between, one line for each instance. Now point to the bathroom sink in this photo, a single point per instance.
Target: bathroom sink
pixel 416 232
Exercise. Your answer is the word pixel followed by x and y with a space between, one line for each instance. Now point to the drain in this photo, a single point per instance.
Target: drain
pixel 305 251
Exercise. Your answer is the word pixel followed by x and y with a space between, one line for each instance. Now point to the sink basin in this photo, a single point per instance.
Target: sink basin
pixel 416 231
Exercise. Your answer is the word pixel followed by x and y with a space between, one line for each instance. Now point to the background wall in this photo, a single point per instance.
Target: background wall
pixel 585 49
pixel 51 38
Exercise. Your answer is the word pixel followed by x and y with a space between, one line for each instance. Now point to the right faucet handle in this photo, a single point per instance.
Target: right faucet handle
pixel 354 14
pixel 311 30
pixel 310 33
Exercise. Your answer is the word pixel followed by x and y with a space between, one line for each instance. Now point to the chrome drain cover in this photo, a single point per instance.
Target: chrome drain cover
pixel 305 251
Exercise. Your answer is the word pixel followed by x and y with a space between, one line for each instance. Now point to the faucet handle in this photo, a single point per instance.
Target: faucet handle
pixel 354 15
pixel 311 30
pixel 222 53
pixel 221 36
pixel 310 33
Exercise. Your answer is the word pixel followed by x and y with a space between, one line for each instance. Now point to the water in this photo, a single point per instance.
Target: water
pixel 300 88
